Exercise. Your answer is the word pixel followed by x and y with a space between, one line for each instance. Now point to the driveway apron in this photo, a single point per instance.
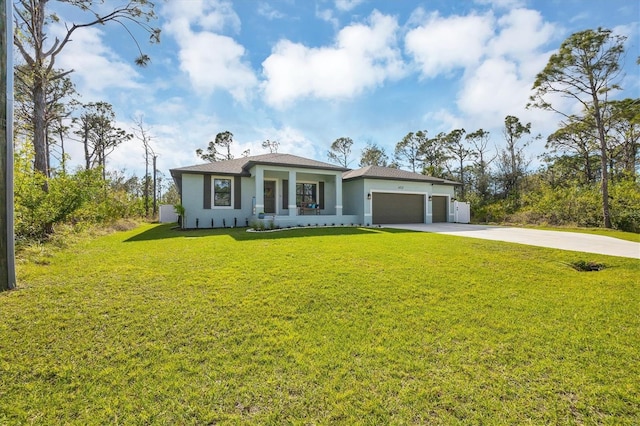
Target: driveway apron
pixel 573 241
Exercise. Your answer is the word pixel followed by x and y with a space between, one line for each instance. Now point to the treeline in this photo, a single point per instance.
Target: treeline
pixel 501 185
pixel 49 117
pixel 589 171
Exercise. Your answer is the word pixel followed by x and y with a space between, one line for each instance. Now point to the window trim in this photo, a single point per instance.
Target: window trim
pixel 231 192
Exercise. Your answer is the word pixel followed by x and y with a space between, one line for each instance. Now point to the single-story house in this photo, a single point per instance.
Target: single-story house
pixel 292 190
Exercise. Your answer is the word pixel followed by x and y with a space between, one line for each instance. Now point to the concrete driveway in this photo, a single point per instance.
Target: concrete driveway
pixel 573 241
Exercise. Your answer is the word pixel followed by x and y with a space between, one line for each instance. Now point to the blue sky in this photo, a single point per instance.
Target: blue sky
pixel 306 72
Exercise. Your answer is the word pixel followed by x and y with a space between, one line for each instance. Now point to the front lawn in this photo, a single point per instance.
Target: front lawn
pixel 319 326
pixel 613 233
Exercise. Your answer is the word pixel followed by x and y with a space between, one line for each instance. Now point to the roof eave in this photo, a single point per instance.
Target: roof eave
pixel 433 181
pixel 250 164
pixel 207 172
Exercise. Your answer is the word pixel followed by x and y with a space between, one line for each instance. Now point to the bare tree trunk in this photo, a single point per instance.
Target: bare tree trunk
pixel 604 162
pixel 85 143
pixel 103 162
pixel 587 168
pixel 630 150
pixel 40 128
pixel 462 189
pixel 63 160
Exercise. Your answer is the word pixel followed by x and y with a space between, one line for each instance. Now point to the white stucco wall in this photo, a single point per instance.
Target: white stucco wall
pixel 197 216
pixel 354 198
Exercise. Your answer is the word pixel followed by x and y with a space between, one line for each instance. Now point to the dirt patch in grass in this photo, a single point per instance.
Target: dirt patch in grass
pixel 585 266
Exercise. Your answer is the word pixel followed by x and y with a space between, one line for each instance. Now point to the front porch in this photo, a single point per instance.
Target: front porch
pixel 298 195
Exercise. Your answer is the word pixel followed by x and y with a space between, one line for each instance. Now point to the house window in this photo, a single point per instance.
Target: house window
pixel 305 193
pixel 222 192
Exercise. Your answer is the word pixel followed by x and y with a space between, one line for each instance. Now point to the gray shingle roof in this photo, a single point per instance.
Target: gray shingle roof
pixel 241 166
pixel 378 172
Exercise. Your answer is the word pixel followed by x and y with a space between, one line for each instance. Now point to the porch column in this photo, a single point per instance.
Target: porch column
pixel 293 209
pixel 338 194
pixel 259 189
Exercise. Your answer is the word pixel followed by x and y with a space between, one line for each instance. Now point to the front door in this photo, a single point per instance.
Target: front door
pixel 269 196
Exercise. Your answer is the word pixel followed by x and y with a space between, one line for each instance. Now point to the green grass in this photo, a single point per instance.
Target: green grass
pixel 319 326
pixel 613 233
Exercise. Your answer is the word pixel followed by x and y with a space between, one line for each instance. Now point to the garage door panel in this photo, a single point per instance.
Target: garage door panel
pixel 397 208
pixel 439 209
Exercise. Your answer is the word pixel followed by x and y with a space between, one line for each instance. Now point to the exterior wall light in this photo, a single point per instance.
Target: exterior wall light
pixel 430 198
pixel 368 196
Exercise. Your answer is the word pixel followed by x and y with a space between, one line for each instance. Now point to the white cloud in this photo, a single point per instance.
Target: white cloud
pixel 501 84
pixel 96 66
pixel 522 33
pixel 269 12
pixel 502 4
pixel 347 5
pixel 493 88
pixel 214 61
pixel 291 140
pixel 630 31
pixel 169 107
pixel 448 121
pixel 498 56
pixel 363 56
pixel 327 16
pixel 443 44
pixel 206 15
pixel 211 60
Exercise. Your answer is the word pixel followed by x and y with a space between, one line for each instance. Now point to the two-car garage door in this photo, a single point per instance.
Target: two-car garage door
pixel 406 208
pixel 397 208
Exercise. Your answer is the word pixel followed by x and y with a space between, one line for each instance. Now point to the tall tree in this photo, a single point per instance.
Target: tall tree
pixel 373 155
pixel 218 149
pixel 60 103
pixel 272 146
pixel 480 168
pixel 585 69
pixel 340 151
pixel 576 138
pixel 512 159
pixel 433 154
pixel 459 151
pixel 408 150
pixel 623 124
pixel 142 134
pixel 30 38
pixel 99 136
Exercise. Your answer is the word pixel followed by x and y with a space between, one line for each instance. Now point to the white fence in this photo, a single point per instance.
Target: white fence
pixel 168 214
pixel 462 212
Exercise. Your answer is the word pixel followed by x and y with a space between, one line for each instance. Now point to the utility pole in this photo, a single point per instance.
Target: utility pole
pixel 7 242
pixel 155 193
pixel 146 179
